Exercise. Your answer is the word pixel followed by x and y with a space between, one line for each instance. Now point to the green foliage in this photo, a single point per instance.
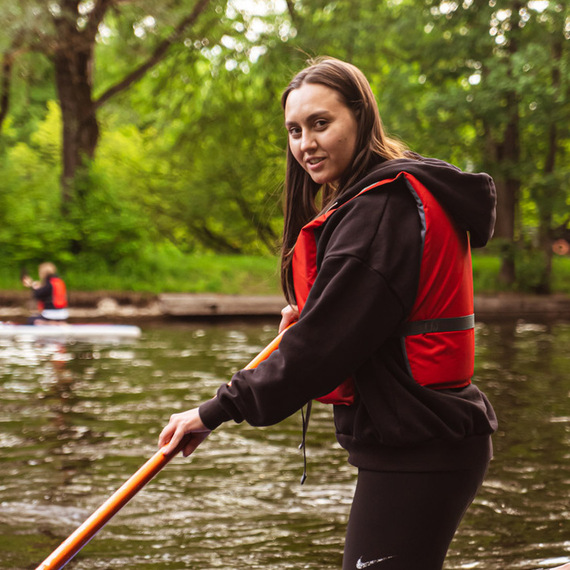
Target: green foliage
pixel 485 273
pixel 169 270
pixel 104 225
pixel 561 274
pixel 31 227
pixel 530 264
pixel 165 269
pixel 191 159
pixel 32 89
pixel 222 161
pixel 107 224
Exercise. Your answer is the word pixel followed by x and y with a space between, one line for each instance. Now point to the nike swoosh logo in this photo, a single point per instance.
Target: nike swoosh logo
pixel 360 564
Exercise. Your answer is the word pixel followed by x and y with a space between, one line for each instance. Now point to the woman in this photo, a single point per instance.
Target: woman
pixel 376 268
pixel 50 293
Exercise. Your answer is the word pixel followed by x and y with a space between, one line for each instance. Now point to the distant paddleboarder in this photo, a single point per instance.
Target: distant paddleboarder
pixel 51 294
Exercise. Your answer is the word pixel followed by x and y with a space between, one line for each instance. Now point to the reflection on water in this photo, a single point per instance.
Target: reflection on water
pixel 77 420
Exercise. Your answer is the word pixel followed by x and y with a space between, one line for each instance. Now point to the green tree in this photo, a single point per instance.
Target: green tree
pixel 197 139
pixel 67 33
pixel 220 139
pixel 503 67
pixel 482 84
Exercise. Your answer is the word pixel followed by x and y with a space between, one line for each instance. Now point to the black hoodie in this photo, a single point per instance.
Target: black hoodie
pixel 369 255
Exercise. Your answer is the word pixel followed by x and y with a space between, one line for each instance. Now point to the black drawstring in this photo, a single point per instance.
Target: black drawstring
pixel 303 445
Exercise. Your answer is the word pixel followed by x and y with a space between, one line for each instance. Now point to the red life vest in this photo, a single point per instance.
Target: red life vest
pixel 438 339
pixel 58 294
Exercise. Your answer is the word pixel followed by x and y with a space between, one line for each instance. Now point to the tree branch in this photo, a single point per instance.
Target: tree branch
pixel 156 56
pixel 263 230
pixel 212 239
pixel 293 13
pixel 96 17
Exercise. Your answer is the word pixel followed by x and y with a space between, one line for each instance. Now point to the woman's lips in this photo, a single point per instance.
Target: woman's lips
pixel 314 163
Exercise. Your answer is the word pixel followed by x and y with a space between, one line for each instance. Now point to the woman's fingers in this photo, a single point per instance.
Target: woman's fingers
pixel 195 440
pixel 289 315
pixel 166 434
pixel 191 441
pixel 170 439
pixel 179 427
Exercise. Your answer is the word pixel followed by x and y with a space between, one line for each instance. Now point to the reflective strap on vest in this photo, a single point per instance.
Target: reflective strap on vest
pixel 438 325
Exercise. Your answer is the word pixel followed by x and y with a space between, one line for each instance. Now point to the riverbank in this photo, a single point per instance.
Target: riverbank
pixel 130 306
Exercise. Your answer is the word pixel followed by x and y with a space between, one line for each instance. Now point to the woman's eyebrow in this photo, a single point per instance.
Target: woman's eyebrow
pixel 310 118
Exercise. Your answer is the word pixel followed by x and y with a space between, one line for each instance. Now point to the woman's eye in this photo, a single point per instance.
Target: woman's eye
pixel 294 132
pixel 321 124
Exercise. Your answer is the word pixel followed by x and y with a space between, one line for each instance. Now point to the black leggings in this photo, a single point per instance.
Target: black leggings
pixel 405 521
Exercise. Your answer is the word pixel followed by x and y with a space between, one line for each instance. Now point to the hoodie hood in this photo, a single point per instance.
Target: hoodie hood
pixel 469 198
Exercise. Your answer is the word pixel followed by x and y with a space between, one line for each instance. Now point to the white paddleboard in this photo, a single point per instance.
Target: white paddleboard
pixel 71 331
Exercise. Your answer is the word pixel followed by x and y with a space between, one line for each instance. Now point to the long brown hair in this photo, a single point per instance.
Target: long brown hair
pixel 372 146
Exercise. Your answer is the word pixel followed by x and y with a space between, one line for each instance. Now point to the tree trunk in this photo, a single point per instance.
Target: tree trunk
pixel 8 58
pixel 507 154
pixel 508 192
pixel 73 61
pixel 546 205
pixel 73 65
pixel 79 122
pixel 5 87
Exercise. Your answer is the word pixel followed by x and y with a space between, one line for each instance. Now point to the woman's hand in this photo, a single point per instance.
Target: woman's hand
pixel 184 425
pixel 289 315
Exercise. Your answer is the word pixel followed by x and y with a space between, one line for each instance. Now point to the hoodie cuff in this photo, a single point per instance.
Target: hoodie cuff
pixel 212 414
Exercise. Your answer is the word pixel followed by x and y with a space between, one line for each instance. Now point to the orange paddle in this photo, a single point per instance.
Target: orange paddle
pixel 78 539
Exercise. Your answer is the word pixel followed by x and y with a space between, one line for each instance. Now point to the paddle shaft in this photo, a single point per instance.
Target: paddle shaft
pixel 84 533
pixel 78 539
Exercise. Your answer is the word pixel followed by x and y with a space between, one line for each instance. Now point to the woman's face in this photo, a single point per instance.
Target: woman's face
pixel 43 272
pixel 322 131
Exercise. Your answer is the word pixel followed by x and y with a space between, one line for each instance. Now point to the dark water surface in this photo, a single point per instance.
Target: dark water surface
pixel 78 420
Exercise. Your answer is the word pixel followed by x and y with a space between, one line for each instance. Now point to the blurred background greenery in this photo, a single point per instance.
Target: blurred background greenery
pixel 142 143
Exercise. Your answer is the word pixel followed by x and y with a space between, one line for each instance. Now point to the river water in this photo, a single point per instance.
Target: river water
pixel 77 420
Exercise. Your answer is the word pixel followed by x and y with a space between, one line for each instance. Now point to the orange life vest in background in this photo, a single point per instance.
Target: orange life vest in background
pixel 438 340
pixel 58 295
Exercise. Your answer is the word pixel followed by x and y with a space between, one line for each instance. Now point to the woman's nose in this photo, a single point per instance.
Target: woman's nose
pixel 308 141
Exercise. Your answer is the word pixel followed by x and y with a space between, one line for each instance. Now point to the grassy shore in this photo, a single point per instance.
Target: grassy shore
pixel 486 275
pixel 225 274
pixel 234 275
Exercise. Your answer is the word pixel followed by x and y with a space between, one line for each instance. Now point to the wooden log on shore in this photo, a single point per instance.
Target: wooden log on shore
pixel 198 305
pixel 97 305
pixel 487 308
pixel 525 307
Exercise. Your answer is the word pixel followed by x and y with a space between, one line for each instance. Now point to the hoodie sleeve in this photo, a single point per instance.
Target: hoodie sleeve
pixel 364 290
pixel 43 293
